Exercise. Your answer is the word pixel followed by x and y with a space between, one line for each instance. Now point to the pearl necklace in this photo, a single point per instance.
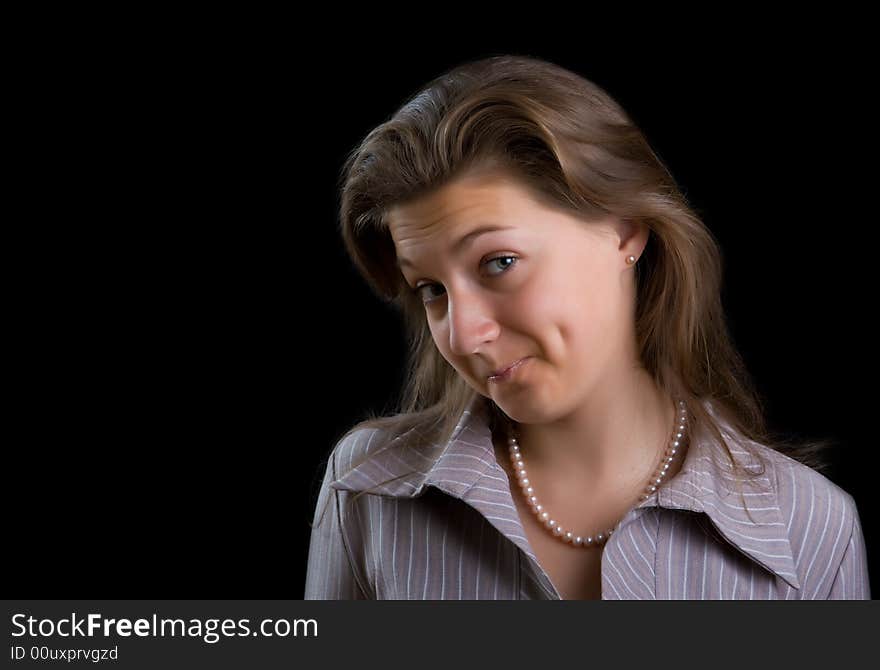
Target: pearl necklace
pixel 600 538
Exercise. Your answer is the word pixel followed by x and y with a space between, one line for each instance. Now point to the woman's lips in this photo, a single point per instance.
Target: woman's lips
pixel 508 373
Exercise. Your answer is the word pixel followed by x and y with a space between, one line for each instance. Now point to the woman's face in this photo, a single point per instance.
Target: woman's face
pixel 544 286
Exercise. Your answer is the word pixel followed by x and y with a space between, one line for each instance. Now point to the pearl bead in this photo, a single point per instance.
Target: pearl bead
pixel 600 538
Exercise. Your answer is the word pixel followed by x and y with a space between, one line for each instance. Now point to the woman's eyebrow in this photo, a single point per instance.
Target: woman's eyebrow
pixel 461 242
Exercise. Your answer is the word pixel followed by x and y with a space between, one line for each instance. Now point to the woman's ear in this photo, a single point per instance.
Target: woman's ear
pixel 632 235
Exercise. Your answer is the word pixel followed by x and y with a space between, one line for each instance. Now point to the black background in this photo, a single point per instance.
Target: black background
pixel 190 339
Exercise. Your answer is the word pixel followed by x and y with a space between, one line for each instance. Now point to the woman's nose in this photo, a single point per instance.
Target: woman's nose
pixel 471 324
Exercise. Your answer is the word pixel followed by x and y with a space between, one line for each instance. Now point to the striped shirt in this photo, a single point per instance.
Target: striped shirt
pixel 448 528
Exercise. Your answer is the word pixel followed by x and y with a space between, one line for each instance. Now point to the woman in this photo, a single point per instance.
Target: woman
pixel 576 423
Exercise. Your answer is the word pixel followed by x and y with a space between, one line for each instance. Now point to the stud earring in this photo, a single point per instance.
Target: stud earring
pixel 630 260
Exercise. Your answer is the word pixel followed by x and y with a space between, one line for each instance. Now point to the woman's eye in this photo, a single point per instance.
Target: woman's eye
pixel 506 262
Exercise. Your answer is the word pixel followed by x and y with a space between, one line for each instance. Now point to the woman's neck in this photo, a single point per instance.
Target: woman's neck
pixel 611 443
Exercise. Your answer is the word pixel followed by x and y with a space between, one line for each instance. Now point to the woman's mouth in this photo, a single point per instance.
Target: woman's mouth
pixel 509 373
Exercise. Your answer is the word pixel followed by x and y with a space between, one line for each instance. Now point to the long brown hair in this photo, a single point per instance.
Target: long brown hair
pixel 575 148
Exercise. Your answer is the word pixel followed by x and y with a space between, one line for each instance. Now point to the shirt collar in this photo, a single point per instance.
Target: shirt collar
pixel 703 484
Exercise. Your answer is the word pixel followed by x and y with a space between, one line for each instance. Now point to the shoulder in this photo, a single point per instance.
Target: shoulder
pixel 801 488
pixel 354 447
pixel 379 461
pixel 815 510
pixel 822 524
